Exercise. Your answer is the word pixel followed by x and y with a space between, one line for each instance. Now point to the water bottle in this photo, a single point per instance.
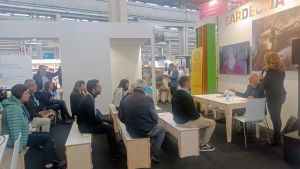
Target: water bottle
pixel 227 96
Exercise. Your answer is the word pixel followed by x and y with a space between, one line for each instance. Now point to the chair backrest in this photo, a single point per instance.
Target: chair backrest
pixel 14 160
pixel 255 110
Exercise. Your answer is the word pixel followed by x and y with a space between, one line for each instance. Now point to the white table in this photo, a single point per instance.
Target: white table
pixel 3 146
pixel 216 100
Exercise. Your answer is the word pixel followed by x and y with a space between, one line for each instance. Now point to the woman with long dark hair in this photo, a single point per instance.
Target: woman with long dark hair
pixel 120 92
pixel 273 83
pixel 77 95
pixel 50 102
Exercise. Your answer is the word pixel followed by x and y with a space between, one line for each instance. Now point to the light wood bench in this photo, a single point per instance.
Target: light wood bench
pixel 78 149
pixel 158 109
pixel 113 114
pixel 138 150
pixel 188 138
pixel 6 161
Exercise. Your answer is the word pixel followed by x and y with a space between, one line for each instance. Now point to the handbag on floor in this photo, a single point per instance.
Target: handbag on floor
pixel 291 125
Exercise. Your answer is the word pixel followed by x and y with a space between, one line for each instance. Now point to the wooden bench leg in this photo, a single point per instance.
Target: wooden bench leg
pixel 188 143
pixel 138 154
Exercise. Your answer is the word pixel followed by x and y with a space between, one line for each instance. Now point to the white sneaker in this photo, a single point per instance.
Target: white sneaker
pixel 207 147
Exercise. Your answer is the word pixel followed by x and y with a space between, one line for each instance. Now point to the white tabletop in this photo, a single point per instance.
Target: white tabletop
pixel 218 98
pixel 3 146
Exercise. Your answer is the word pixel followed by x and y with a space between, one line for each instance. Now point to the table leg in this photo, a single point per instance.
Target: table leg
pixel 228 115
pixel 257 129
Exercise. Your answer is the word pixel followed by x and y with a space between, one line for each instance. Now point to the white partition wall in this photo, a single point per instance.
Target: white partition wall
pixel 126 60
pixel 241 31
pixel 84 48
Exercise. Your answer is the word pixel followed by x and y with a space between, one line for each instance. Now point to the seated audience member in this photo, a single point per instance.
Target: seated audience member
pixel 141 119
pixel 47 99
pixel 42 76
pixel 120 92
pixel 161 88
pixel 185 114
pixel 32 107
pixel 76 96
pixel 254 90
pixel 88 122
pixel 3 94
pixel 121 114
pixel 16 119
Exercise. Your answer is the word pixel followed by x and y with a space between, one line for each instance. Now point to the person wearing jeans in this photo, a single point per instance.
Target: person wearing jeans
pixel 173 78
pixel 141 119
pixel 185 114
pixel 16 119
pixel 32 107
pixel 89 122
pixel 47 99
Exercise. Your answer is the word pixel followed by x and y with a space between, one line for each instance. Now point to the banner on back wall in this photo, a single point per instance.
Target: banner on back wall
pixel 197 72
pixel 215 8
pixel 14 70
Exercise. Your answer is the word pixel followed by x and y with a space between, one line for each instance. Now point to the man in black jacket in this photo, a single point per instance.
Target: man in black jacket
pixel 141 119
pixel 88 121
pixel 185 114
pixel 42 76
pixel 32 107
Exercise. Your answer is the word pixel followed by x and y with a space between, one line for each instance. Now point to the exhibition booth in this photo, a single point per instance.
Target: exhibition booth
pixel 252 30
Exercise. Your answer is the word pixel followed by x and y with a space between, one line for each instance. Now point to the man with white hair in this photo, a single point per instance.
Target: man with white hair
pixel 254 90
pixel 141 119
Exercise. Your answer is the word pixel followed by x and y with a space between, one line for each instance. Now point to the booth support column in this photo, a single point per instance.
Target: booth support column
pixel 117 11
pixel 153 70
pixel 182 4
pixel 58 17
pixel 169 44
pixel 183 41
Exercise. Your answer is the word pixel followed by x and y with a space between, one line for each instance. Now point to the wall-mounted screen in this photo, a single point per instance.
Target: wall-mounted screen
pixel 234 59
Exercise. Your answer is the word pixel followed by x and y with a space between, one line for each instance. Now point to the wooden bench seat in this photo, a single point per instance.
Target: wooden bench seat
pixel 79 149
pixel 188 138
pixel 138 150
pixel 113 114
pixel 7 156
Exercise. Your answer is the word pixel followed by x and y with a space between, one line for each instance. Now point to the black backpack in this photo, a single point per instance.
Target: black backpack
pixel 291 125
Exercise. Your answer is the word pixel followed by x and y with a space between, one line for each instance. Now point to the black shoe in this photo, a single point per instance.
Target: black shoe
pixel 221 121
pixel 159 101
pixel 118 156
pixel 57 164
pixel 154 158
pixel 207 147
pixel 156 150
pixel 167 101
pixel 65 123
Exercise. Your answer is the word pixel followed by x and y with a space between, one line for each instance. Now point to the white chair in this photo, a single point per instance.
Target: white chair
pixel 15 155
pixel 255 112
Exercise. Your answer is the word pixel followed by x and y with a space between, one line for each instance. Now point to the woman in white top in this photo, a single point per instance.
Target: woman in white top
pixel 119 93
